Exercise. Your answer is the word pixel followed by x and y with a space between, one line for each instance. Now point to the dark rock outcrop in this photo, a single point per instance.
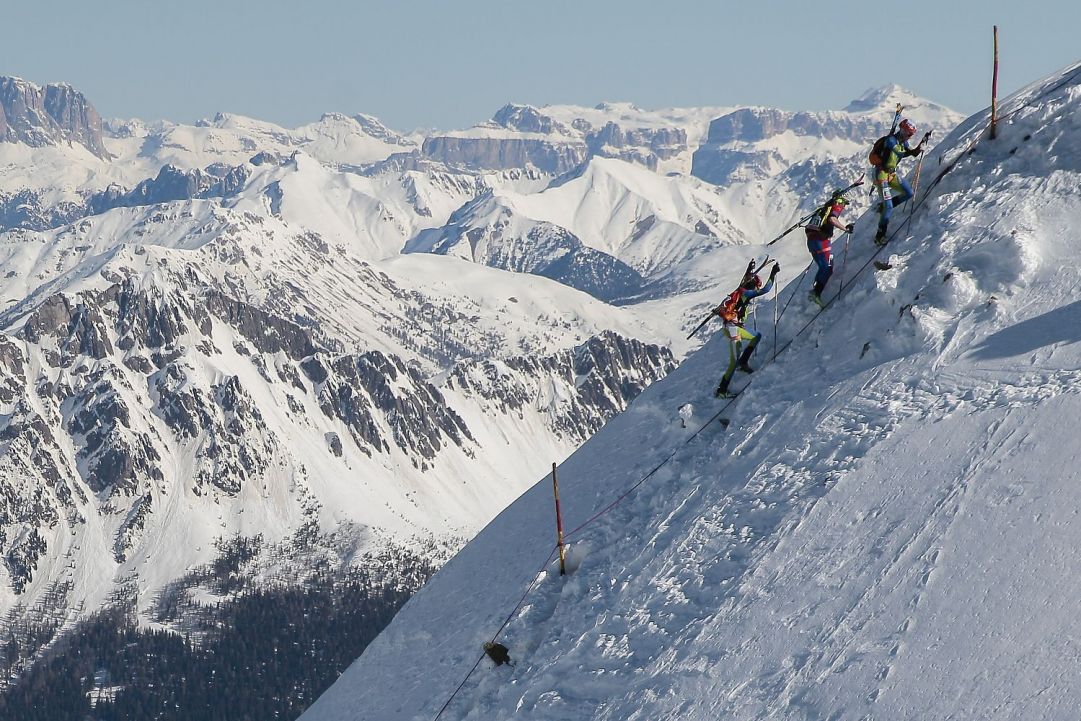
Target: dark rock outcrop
pixel 115 458
pixel 595 381
pixel 170 184
pixel 644 146
pixel 369 390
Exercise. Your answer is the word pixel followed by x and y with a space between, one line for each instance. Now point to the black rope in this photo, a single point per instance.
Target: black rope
pixel 510 615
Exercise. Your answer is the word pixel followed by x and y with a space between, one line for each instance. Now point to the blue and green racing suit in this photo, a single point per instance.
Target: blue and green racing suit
pixel 892 189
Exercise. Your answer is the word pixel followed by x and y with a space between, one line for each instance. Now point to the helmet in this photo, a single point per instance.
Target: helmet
pixel 838 198
pixel 907 128
pixel 752 281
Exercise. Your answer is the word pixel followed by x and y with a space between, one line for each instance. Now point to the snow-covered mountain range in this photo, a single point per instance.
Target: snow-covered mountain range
pixel 234 328
pixel 884 524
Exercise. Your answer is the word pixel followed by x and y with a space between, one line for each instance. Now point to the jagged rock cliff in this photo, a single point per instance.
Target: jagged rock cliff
pixel 524 136
pixel 50 115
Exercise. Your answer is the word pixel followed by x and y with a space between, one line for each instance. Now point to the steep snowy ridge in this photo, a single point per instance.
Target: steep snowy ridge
pixel 887 527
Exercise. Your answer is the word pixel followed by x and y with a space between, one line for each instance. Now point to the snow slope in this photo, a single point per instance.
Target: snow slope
pixel 888 528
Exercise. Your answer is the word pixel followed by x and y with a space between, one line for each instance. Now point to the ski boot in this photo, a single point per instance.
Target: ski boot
pixel 723 392
pixel 880 237
pixel 815 298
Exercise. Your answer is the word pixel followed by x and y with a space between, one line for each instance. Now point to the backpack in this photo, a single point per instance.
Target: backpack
pixel 820 220
pixel 877 156
pixel 730 306
pixel 498 653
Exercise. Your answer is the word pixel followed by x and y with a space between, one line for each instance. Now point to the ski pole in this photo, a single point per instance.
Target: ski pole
pixel 775 319
pixel 795 289
pixel 916 177
pixel 844 264
pixel 797 224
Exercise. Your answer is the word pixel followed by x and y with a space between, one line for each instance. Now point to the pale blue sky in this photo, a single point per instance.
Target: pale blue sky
pixel 452 63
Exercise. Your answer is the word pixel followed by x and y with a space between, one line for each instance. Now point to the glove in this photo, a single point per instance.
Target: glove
pixel 850 227
pixel 776 269
pixel 918 149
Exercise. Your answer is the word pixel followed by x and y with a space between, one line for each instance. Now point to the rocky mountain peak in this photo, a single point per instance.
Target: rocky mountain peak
pixel 50 115
pixel 886 95
pixel 527 119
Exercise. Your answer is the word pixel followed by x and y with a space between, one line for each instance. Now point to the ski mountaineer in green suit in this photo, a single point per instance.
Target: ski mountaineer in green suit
pixel 732 311
pixel 892 190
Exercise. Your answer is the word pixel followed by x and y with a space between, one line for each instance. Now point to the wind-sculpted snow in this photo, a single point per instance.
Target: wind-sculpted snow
pixel 884 526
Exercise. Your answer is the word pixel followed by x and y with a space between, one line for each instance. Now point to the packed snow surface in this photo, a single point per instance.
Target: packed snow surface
pixel 886 528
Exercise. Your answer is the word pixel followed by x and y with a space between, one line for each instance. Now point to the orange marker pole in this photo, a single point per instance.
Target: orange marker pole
pixel 994 89
pixel 559 526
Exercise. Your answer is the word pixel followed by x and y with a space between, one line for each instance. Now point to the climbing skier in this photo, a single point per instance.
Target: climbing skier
pixel 819 233
pixel 733 311
pixel 892 189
